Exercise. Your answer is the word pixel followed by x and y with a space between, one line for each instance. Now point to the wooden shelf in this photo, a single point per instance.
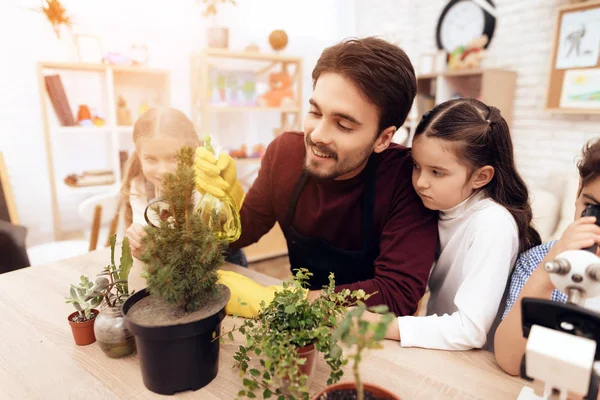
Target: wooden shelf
pixel 134 83
pixel 99 67
pixel 125 129
pixel 461 72
pixel 572 110
pixel 247 161
pixel 243 109
pixel 81 129
pixel 493 86
pixel 94 189
pixel 253 56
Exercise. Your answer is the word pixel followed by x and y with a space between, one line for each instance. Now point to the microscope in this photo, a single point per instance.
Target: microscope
pixel 562 338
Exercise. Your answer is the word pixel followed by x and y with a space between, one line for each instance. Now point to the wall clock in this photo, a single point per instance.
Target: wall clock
pixel 464 20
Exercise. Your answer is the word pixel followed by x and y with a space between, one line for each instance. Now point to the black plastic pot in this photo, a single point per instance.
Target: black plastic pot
pixel 179 357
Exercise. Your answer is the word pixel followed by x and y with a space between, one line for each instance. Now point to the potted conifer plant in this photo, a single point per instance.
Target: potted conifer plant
pixel 283 340
pixel 177 316
pixel 85 302
pixel 359 334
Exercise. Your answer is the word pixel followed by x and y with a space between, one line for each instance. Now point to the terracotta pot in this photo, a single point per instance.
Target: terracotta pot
pixel 83 332
pixel 311 354
pixel 368 387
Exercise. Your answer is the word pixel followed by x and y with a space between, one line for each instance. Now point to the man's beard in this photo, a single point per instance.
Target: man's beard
pixel 339 167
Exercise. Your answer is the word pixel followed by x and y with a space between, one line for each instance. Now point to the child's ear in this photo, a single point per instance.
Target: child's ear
pixel 482 176
pixel 384 140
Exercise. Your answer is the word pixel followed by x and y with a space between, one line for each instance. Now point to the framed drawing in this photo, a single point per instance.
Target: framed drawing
pixel 574 73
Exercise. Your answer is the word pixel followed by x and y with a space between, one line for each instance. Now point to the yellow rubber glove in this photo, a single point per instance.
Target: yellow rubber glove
pixel 218 177
pixel 245 290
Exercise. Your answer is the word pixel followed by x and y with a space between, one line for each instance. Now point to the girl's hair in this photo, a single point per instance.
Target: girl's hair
pixel 480 136
pixel 154 123
pixel 589 165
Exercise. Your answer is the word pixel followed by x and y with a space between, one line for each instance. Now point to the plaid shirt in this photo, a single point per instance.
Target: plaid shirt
pixel 526 264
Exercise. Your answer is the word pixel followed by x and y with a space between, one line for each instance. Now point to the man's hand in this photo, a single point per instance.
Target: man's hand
pixel 135 233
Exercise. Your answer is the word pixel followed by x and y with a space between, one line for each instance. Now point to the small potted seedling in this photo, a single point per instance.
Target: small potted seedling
pixel 284 339
pixel 112 336
pixel 175 318
pixel 82 320
pixel 359 334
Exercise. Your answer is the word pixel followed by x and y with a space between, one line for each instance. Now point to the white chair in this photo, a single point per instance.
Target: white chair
pixel 100 211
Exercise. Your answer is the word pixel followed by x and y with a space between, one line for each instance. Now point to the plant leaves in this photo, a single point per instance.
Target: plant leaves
pixel 113 242
pixel 380 309
pixel 267 393
pixel 290 309
pixel 254 372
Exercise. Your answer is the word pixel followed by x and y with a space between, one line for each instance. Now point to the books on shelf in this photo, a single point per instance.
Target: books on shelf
pixel 59 100
pixel 91 178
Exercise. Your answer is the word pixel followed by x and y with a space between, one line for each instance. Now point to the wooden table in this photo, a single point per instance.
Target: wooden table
pixel 38 358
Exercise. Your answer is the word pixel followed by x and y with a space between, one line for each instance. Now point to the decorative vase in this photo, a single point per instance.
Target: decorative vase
pixel 217 37
pixel 112 336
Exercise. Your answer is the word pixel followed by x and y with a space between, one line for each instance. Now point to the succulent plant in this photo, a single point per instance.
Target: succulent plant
pixel 83 297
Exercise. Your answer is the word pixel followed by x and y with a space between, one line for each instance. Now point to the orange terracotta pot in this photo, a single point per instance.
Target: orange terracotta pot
pixel 373 389
pixel 83 332
pixel 311 354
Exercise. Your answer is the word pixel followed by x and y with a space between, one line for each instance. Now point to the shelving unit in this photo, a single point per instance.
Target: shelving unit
pixel 206 112
pixel 494 87
pixel 75 149
pixel 258 65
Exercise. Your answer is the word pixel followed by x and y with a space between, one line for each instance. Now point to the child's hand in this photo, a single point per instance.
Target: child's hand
pixel 581 234
pixel 135 233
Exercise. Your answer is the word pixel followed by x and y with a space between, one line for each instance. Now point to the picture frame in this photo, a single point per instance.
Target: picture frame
pixel 89 48
pixel 571 85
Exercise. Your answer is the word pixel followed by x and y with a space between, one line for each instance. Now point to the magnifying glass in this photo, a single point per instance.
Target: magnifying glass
pixel 158 210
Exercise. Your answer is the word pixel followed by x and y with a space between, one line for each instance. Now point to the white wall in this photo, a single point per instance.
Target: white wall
pixel 172 30
pixel 522 42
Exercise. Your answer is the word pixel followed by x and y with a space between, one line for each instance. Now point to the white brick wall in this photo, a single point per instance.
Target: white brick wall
pixel 544 143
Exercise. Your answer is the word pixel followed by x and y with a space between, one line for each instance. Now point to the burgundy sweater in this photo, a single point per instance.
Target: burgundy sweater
pixel 331 211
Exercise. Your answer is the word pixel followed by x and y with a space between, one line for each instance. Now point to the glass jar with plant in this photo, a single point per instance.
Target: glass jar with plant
pixel 112 336
pixel 359 334
pixel 283 340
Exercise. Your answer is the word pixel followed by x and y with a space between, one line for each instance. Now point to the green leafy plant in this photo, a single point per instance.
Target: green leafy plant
pixel 84 298
pixel 286 324
pixel 114 289
pixel 182 254
pixel 361 334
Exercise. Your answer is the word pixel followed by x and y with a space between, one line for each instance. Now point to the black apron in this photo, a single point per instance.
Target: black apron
pixel 321 258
